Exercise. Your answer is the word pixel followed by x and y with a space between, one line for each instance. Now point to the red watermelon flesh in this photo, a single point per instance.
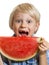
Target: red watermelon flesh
pixel 18 48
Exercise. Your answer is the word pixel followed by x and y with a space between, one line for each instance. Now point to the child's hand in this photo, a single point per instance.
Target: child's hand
pixel 43 46
pixel 1 62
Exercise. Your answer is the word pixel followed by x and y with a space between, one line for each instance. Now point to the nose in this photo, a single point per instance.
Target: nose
pixel 24 24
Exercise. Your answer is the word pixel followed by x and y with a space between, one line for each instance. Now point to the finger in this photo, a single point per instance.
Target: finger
pixel 46 44
pixel 42 48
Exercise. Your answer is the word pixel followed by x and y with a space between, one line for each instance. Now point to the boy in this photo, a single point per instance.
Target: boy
pixel 25 21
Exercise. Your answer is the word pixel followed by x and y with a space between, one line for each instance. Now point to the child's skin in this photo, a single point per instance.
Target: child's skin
pixel 1 62
pixel 23 22
pixel 25 25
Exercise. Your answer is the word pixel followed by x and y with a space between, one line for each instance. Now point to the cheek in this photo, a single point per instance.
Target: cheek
pixel 32 29
pixel 15 28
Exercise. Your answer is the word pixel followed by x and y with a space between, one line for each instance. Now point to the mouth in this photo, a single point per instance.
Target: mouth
pixel 23 33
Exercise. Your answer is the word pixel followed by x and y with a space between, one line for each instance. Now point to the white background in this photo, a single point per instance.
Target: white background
pixel 6 6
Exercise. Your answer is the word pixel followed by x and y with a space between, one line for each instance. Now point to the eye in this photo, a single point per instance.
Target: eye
pixel 29 21
pixel 18 21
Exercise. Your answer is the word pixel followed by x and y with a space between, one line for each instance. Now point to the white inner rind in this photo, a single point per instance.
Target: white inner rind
pixel 16 59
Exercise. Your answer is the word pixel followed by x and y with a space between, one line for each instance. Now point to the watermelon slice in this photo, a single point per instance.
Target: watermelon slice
pixel 18 48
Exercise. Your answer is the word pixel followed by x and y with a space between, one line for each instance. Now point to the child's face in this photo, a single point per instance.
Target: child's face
pixel 24 24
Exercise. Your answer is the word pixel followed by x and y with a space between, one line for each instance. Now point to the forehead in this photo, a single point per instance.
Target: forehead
pixel 23 16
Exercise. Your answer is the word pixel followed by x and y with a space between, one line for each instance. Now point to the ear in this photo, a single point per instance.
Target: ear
pixel 37 26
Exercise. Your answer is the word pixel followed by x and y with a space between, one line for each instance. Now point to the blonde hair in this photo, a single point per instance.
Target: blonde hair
pixel 24 8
